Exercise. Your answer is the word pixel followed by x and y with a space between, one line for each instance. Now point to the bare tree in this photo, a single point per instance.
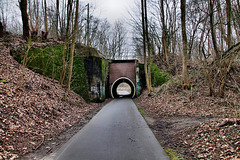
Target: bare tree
pixel 229 29
pixel 73 45
pixel 69 13
pixel 164 42
pixel 147 63
pixel 213 31
pixel 119 33
pixel 57 18
pixel 186 83
pixel 34 17
pixel 45 34
pixel 23 8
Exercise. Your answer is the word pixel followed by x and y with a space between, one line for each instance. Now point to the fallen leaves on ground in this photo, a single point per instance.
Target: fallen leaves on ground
pixel 192 123
pixel 36 111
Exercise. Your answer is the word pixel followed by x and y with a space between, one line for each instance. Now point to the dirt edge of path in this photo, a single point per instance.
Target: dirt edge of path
pixel 167 130
pixel 50 147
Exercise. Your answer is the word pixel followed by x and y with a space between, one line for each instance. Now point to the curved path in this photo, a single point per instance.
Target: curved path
pixel 117 132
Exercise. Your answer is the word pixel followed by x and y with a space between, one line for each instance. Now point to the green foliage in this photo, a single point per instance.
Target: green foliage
pixel 48 62
pixel 171 154
pixel 79 78
pixel 158 77
pixel 3 81
pixel 103 69
pixel 141 111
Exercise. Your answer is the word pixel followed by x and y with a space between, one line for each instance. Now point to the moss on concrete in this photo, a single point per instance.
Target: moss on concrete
pixel 48 62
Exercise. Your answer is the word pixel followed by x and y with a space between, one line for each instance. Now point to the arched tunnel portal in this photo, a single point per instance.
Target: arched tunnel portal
pixel 120 80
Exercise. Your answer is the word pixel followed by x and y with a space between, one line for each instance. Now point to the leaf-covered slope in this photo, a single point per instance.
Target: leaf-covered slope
pixel 191 122
pixel 35 112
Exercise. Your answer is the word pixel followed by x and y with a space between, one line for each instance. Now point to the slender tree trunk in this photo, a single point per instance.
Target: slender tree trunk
pixel 24 63
pixel 73 47
pixel 144 41
pixel 229 30
pixel 45 21
pixel 45 16
pixel 30 15
pixel 69 12
pixel 205 68
pixel 149 51
pixel 57 18
pixel 213 32
pixel 36 11
pixel 223 32
pixel 174 42
pixel 143 3
pixel 1 29
pixel 164 34
pixel 186 83
pixel 23 8
pixel 88 25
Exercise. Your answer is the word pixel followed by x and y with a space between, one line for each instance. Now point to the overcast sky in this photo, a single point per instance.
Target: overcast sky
pixel 111 9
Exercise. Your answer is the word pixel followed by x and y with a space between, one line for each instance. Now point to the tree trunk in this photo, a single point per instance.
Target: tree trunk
pixel 221 27
pixel 57 18
pixel 213 32
pixel 229 30
pixel 143 3
pixel 30 15
pixel 149 51
pixel 69 12
pixel 88 25
pixel 186 83
pixel 36 12
pixel 1 29
pixel 23 8
pixel 73 47
pixel 164 34
pixel 45 21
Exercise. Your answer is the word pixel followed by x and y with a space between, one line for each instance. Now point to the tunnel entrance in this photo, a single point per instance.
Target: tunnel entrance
pixel 123 87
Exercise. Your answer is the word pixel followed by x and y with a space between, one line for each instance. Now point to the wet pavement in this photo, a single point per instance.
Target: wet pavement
pixel 117 132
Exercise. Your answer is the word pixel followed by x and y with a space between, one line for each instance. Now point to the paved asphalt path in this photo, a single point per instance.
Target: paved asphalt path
pixel 117 132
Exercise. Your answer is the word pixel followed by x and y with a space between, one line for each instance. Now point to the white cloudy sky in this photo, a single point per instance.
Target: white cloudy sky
pixel 111 9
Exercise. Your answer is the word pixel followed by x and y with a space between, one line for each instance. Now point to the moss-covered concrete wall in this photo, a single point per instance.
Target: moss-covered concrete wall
pixel 97 73
pixel 90 77
pixel 48 62
pixel 96 67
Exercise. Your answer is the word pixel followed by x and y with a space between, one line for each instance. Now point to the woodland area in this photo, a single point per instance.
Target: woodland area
pixel 195 42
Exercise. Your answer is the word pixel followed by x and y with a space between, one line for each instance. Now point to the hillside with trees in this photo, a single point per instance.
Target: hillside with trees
pixel 195 114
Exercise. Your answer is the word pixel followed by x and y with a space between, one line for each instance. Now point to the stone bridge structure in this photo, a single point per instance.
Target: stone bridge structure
pixel 95 78
pixel 104 76
pixel 124 71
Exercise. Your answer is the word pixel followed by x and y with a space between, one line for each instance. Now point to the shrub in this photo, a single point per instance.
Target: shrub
pixel 158 77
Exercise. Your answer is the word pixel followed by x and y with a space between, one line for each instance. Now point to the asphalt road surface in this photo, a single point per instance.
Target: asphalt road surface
pixel 117 132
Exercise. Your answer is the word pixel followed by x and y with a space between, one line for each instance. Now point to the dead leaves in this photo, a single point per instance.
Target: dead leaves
pixel 35 113
pixel 215 139
pixel 209 141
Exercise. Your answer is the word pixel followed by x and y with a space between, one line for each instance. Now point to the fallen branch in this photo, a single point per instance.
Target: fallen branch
pixel 43 138
pixel 229 123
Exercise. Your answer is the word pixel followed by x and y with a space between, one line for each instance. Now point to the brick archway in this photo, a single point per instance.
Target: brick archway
pixel 122 71
pixel 118 82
